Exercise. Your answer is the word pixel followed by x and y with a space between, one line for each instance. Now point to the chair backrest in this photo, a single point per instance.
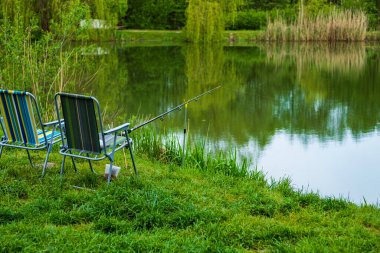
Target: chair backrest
pixel 19 116
pixel 81 122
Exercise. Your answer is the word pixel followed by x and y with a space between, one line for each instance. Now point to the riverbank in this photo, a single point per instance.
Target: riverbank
pixel 169 208
pixel 178 36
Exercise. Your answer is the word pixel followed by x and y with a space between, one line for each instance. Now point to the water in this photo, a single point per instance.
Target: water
pixel 307 111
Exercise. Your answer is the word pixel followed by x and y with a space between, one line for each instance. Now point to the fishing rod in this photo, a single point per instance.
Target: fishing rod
pixel 178 107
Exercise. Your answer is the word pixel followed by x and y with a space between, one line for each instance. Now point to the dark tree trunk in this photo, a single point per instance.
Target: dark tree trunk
pixel 378 14
pixel 42 9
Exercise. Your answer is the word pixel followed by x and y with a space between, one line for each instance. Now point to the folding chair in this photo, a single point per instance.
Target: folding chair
pixel 83 135
pixel 22 124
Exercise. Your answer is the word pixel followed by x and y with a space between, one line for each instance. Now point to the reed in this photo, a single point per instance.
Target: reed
pixel 198 154
pixel 44 62
pixel 337 25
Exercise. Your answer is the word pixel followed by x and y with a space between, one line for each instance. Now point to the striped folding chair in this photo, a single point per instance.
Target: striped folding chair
pixel 83 135
pixel 22 125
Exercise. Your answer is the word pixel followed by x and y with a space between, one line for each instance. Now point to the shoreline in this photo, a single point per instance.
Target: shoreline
pixel 231 36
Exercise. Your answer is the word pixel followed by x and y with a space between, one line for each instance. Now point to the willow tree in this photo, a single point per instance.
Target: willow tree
pixel 205 18
pixel 48 12
pixel 378 11
pixel 110 10
pixel 18 12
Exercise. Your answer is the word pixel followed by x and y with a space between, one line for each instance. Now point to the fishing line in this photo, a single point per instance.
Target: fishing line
pixel 178 107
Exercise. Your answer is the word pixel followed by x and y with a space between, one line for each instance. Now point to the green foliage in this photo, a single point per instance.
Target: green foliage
pixel 48 12
pixel 171 14
pixel 37 61
pixel 368 6
pixel 205 19
pixel 266 4
pixel 315 7
pixel 110 10
pixel 248 20
pixel 19 12
pixel 153 14
pixel 202 21
pixel 66 26
pixel 150 36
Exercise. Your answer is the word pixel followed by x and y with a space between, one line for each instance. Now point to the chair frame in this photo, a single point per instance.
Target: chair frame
pixel 88 155
pixel 47 144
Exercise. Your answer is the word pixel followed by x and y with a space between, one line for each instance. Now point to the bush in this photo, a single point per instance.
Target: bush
pixel 247 20
pixel 257 19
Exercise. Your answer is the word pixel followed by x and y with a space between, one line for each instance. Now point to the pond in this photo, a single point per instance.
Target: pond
pixel 310 112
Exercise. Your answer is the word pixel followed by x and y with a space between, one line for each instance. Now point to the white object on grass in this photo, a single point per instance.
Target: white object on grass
pixel 115 170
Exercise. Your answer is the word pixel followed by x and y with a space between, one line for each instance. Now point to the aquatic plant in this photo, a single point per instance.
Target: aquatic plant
pixel 198 154
pixel 336 25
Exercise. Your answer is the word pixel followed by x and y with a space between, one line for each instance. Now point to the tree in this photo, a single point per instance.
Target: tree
pixel 378 13
pixel 153 14
pixel 48 12
pixel 205 18
pixel 111 10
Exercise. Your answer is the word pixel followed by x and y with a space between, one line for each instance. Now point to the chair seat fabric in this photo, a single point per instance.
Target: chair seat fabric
pixel 49 134
pixel 41 138
pixel 109 140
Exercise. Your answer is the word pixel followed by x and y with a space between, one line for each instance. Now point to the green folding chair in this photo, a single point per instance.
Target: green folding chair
pixel 22 125
pixel 83 135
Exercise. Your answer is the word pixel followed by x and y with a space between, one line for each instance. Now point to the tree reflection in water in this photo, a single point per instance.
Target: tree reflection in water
pixel 275 100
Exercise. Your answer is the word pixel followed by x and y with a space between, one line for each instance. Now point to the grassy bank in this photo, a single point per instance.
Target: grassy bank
pixel 169 208
pixel 373 36
pixel 178 36
pixel 243 36
pixel 149 36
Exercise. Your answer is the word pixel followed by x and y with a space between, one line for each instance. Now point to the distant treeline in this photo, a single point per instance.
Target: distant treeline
pixel 172 14
pixel 250 15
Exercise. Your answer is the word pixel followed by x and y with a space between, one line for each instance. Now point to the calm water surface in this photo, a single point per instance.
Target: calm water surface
pixel 310 112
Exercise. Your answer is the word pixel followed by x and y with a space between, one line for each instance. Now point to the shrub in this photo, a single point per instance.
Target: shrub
pixel 247 20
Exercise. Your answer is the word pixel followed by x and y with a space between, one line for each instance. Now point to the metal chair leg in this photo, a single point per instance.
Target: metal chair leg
pixel 1 150
pixel 109 172
pixel 30 159
pixel 75 167
pixel 91 168
pixel 62 165
pixel 62 170
pixel 46 160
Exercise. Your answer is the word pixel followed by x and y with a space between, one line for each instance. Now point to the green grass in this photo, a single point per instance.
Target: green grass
pixel 171 208
pixel 144 36
pixel 164 36
pixel 373 36
pixel 243 36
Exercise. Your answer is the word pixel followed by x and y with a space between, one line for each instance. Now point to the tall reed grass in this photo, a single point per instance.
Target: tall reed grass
pixel 337 25
pixel 197 154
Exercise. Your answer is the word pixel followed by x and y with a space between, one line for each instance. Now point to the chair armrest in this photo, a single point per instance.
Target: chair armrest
pixel 52 123
pixel 118 128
